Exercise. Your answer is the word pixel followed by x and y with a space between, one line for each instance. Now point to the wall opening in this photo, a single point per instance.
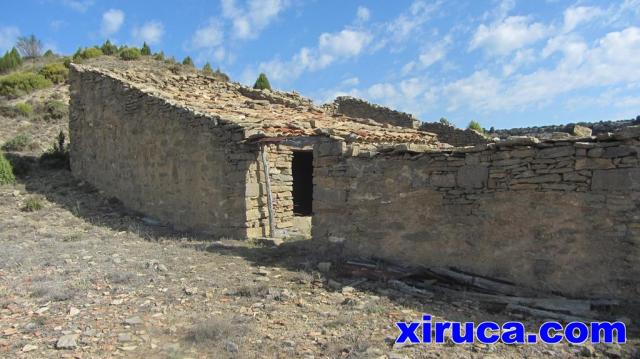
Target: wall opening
pixel 302 171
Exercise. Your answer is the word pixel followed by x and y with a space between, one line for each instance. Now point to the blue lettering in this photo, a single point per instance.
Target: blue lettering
pixel 440 328
pixel 607 329
pixel 481 333
pixel 407 332
pixel 513 333
pixel 458 337
pixel 544 332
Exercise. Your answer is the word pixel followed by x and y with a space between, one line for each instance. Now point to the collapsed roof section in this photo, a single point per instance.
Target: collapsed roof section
pixel 262 114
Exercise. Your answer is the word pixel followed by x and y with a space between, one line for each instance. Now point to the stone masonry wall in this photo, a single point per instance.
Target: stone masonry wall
pixel 558 216
pixel 452 135
pixel 157 158
pixel 280 159
pixel 354 107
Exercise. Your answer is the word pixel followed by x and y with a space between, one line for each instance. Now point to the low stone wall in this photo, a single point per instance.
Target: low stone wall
pixel 162 160
pixel 454 136
pixel 357 108
pixel 557 216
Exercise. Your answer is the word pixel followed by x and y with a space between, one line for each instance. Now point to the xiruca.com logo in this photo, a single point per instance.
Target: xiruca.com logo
pixel 428 331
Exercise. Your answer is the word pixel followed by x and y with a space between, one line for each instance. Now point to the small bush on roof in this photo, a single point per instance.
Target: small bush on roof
pixel 262 83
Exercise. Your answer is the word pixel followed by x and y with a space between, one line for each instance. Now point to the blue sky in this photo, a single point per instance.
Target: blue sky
pixel 505 63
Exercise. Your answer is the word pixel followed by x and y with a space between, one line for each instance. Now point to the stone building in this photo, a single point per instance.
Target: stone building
pixel 559 215
pixel 195 152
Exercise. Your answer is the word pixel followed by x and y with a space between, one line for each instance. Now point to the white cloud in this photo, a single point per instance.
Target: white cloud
pixel 112 20
pixel 507 35
pixel 363 14
pixel 332 47
pixel 151 32
pixel 208 36
pixel 577 15
pixel 612 61
pixel 8 37
pixel 410 21
pixel 522 57
pixel 78 5
pixel 352 81
pixel 250 20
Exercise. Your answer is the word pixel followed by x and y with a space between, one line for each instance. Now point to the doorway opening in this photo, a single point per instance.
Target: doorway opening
pixel 302 171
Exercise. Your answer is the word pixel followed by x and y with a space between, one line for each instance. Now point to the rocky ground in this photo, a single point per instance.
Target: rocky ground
pixel 82 277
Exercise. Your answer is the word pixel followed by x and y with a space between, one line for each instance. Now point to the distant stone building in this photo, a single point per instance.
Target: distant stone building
pixel 559 215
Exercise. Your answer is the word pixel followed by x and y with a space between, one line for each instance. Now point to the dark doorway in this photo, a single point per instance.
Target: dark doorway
pixel 302 169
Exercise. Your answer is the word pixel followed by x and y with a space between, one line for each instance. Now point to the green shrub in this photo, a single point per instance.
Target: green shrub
pixel 88 53
pixel 55 110
pixel 18 143
pixel 10 60
pixel 32 204
pixel 67 61
pixel 145 50
pixel 55 72
pixel 6 171
pixel 49 53
pixel 21 83
pixel 475 125
pixel 187 61
pixel 262 83
pixel 207 70
pixel 24 109
pixel 130 53
pixel 108 48
pixel 159 56
pixel 58 155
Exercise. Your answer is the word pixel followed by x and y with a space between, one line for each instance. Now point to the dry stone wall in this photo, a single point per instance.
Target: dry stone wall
pixel 157 158
pixel 357 108
pixel 556 215
pixel 454 136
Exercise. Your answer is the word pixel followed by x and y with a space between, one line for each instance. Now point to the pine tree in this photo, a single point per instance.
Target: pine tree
pixel 10 60
pixel 146 50
pixel 187 61
pixel 262 83
pixel 207 70
pixel 108 48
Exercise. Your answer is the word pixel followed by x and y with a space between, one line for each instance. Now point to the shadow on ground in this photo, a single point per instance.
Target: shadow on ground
pixel 88 203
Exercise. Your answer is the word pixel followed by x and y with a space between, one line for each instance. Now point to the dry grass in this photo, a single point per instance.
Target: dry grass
pixel 218 330
pixel 52 291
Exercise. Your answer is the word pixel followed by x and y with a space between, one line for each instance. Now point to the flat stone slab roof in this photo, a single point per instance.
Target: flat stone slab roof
pixel 262 113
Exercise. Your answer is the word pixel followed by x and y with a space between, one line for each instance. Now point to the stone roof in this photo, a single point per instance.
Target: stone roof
pixel 262 114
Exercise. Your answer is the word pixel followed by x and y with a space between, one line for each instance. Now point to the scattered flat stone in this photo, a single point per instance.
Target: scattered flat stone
pixel 133 321
pixel 324 266
pixel 124 337
pixel 74 311
pixel 191 291
pixel 29 347
pixel 67 342
pixel 231 347
pixel 334 284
